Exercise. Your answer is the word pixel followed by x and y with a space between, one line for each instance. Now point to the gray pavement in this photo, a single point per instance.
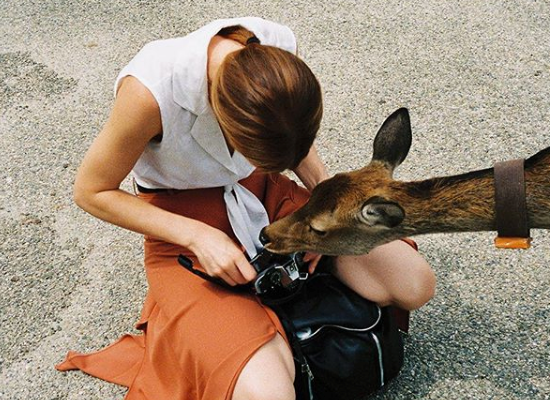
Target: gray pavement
pixel 475 76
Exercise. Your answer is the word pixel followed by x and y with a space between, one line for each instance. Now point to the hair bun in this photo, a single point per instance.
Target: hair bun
pixel 253 39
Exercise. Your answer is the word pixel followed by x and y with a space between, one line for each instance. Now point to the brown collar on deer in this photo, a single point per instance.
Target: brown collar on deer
pixel 511 206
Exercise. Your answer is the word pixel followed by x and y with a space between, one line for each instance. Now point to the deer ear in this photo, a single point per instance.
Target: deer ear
pixel 393 140
pixel 378 211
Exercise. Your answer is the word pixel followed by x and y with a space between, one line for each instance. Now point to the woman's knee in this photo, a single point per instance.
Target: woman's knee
pixel 420 289
pixel 259 391
pixel 268 375
pixel 392 274
pixel 417 283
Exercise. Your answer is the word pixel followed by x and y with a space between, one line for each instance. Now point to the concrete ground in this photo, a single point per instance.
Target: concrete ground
pixel 474 74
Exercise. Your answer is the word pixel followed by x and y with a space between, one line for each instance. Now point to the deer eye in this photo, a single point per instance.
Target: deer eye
pixel 317 231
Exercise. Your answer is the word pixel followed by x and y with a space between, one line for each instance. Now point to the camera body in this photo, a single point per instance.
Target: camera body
pixel 278 274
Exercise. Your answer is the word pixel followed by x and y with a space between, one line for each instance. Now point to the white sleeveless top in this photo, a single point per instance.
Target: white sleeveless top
pixel 193 152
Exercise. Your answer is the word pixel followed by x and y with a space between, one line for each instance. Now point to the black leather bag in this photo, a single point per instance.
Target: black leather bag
pixel 345 347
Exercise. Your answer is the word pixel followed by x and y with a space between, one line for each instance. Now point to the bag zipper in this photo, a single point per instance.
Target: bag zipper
pixel 306 334
pixel 306 369
pixel 380 359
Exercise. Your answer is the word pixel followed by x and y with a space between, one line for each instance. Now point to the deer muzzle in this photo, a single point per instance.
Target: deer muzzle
pixel 281 237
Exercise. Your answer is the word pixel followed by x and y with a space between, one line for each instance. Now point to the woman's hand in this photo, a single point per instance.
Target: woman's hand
pixel 219 255
pixel 313 259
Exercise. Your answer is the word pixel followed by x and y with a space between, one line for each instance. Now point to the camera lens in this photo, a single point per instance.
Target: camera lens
pixel 275 278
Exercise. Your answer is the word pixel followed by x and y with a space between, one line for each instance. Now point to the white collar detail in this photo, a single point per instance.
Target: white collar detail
pixel 190 83
pixel 247 216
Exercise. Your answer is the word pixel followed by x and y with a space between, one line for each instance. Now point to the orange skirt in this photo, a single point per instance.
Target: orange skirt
pixel 196 336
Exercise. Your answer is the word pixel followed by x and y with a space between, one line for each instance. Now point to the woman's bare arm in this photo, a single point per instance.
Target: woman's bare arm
pixel 311 170
pixel 134 121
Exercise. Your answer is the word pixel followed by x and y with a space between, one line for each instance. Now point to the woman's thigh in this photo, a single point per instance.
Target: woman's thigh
pixel 211 333
pixel 268 375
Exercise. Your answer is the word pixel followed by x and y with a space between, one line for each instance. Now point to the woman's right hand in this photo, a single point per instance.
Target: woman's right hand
pixel 219 255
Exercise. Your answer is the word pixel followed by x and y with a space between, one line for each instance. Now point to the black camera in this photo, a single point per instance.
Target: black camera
pixel 278 274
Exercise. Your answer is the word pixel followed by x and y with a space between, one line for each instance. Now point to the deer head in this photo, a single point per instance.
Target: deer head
pixel 352 212
pixel 355 211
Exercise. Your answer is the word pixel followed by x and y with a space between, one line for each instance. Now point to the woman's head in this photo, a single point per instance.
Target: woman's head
pixel 267 102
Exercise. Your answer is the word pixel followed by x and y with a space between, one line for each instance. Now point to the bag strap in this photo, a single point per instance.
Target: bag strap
pixel 186 263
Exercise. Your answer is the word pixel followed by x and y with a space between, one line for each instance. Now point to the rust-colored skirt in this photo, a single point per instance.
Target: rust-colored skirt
pixel 196 336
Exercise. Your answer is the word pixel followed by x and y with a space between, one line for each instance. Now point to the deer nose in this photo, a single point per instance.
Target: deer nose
pixel 264 239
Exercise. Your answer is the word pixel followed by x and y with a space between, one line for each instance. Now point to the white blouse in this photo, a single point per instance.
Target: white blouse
pixel 193 152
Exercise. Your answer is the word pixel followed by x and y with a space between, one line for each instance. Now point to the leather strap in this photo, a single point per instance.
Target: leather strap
pixel 511 205
pixel 186 263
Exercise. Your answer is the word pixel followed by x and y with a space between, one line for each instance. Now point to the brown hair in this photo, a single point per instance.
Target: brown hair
pixel 267 102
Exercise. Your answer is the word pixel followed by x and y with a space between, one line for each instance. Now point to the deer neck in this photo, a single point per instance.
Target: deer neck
pixel 465 203
pixel 461 203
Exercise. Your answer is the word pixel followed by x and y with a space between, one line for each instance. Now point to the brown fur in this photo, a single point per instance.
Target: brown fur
pixel 332 221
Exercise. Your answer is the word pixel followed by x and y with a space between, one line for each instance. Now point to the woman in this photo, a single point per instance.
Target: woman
pixel 205 123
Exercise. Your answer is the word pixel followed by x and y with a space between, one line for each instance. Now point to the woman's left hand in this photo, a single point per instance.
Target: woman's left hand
pixel 313 259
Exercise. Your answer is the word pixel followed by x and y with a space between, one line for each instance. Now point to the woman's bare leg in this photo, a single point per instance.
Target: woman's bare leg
pixel 268 375
pixel 391 274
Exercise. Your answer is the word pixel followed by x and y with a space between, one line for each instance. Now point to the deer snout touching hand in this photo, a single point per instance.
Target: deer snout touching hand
pixel 353 212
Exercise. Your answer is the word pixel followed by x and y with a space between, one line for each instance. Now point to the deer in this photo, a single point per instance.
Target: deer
pixel 352 212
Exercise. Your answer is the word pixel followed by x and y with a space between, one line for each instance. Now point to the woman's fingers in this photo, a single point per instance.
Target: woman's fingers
pixel 313 259
pixel 238 268
pixel 236 275
pixel 235 278
pixel 234 269
pixel 246 269
pixel 228 271
pixel 227 279
pixel 222 258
